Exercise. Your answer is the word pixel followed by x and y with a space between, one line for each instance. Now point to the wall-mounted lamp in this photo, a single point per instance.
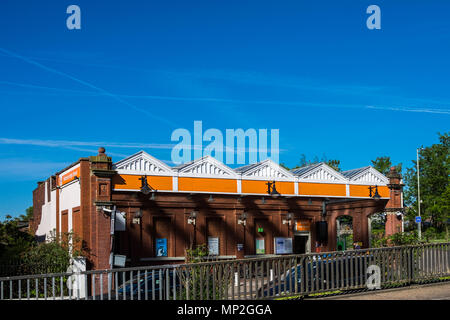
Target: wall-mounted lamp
pixel 192 218
pixel 272 190
pixel 137 217
pixel 211 199
pixel 145 187
pixel 243 218
pixel 288 219
pixel 376 196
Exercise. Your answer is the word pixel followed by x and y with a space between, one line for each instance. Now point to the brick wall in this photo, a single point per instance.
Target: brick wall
pixel 38 201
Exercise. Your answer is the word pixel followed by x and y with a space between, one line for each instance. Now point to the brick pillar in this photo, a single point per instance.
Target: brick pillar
pixel 394 207
pixel 101 174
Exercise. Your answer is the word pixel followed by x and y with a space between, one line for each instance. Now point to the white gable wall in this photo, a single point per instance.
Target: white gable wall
pixel 48 216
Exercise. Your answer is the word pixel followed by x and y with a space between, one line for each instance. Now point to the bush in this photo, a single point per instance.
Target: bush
pixel 405 238
pixel 52 256
pixel 197 280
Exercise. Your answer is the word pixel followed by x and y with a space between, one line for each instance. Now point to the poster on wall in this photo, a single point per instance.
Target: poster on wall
pixel 260 248
pixel 213 245
pixel 283 245
pixel 161 247
pixel 121 221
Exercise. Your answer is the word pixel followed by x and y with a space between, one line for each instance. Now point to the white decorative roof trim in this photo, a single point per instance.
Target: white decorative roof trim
pixel 268 169
pixel 370 176
pixel 206 166
pixel 142 163
pixel 322 173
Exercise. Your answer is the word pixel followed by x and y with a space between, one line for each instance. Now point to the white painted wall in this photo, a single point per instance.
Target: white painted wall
pixel 48 217
pixel 69 197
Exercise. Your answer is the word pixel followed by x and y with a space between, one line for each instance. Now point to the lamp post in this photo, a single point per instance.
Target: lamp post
pixel 419 224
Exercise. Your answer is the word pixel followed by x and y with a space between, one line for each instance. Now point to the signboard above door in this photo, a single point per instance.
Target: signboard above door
pixel 302 225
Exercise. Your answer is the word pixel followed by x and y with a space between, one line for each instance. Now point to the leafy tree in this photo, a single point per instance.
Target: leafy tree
pixel 304 162
pixel 27 216
pixel 334 164
pixel 434 185
pixel 384 164
pixel 284 166
pixel 13 241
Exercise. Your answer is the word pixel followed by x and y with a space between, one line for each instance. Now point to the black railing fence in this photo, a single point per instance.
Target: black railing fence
pixel 247 279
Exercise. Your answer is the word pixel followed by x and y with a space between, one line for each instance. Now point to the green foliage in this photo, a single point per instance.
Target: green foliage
pixel 13 241
pixel 404 238
pixel 378 239
pixel 198 254
pixel 49 257
pixel 434 171
pixel 335 164
pixel 384 164
pixel 197 280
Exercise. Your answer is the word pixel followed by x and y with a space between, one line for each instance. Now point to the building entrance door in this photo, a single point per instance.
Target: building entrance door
pixel 301 243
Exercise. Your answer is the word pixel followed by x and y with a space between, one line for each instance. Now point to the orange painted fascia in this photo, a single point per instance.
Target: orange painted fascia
pixel 207 185
pixel 132 182
pixel 329 189
pixel 260 186
pixel 363 191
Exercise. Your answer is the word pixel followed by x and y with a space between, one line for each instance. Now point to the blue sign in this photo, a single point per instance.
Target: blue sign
pixel 418 219
pixel 161 247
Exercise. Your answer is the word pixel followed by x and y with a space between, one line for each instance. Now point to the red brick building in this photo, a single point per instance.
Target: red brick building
pixel 206 202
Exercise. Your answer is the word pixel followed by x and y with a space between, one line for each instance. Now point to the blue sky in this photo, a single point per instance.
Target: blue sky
pixel 137 70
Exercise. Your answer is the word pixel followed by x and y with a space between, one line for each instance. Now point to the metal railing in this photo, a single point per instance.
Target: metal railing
pixel 255 278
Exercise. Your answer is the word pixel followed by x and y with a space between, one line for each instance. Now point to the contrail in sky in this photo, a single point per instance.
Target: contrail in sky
pixel 39 65
pixel 237 101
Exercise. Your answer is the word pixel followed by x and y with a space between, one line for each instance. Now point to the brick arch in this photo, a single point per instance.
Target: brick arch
pixel 359 214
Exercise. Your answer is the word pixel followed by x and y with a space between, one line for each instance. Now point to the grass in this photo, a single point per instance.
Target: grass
pixel 325 293
pixel 310 295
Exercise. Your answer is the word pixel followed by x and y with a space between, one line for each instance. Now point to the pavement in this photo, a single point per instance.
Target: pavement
pixel 435 291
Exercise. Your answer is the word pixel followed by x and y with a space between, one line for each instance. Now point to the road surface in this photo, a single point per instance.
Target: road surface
pixel 436 291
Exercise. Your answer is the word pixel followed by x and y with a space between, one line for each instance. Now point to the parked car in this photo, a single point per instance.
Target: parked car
pixel 156 285
pixel 315 274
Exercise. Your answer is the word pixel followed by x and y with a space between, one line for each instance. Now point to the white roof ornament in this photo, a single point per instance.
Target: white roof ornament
pixel 319 172
pixel 205 166
pixel 366 175
pixel 266 169
pixel 142 163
